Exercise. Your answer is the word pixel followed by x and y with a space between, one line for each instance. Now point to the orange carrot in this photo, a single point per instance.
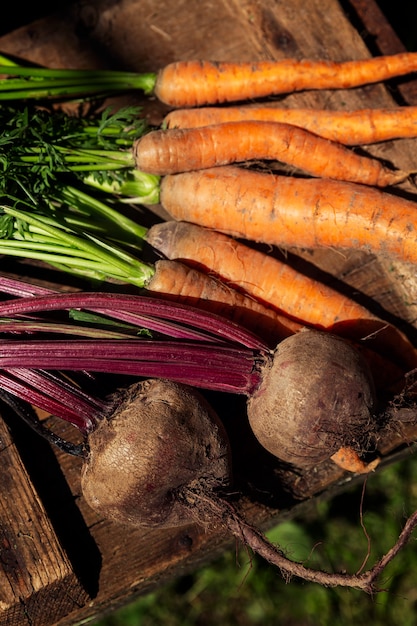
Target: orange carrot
pixel 278 285
pixel 262 275
pixel 164 152
pixel 348 459
pixel 176 281
pixel 351 128
pixel 289 211
pixel 195 83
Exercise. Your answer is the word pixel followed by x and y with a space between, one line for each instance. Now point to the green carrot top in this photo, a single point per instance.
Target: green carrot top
pixel 49 160
pixel 37 146
pixel 27 82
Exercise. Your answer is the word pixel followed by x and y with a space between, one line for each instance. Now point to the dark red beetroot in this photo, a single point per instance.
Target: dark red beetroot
pixel 316 397
pixel 159 438
pixel 162 459
pixel 323 403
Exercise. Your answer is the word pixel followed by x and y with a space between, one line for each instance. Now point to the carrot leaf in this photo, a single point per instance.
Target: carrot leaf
pixel 67 247
pixel 34 82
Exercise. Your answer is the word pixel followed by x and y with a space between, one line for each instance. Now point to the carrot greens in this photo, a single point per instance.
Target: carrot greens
pixel 46 212
pixel 33 82
pixel 68 248
pixel 38 147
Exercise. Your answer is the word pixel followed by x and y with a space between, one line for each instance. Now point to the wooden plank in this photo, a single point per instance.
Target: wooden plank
pixel 144 35
pixel 380 38
pixel 35 570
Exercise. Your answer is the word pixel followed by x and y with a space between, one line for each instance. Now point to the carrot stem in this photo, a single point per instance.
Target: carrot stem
pixel 45 239
pixel 30 82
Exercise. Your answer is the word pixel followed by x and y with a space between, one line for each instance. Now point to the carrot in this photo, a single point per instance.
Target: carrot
pixel 279 286
pixel 164 152
pixel 351 128
pixel 288 211
pixel 348 459
pixel 195 83
pixel 178 282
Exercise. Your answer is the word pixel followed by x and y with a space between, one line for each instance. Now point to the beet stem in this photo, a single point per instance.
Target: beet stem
pixel 190 317
pixel 28 415
pixel 210 366
pixel 52 395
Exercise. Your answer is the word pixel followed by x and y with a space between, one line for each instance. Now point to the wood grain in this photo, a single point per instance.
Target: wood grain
pixel 35 569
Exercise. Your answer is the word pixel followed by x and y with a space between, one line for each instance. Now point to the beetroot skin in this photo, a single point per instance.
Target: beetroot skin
pixel 160 437
pixel 161 458
pixel 316 396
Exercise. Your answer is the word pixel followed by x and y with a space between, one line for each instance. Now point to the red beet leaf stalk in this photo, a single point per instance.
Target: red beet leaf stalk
pixel 203 349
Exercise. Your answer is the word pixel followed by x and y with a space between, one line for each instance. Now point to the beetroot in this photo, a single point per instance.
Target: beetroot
pixel 316 397
pixel 159 437
pixel 162 459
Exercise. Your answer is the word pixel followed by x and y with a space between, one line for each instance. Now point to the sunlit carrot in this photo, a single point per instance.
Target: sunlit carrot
pixel 278 285
pixel 177 281
pixel 287 211
pixel 164 152
pixel 193 83
pixel 351 128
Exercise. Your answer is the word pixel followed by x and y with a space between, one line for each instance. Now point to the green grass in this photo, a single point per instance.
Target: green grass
pixel 242 590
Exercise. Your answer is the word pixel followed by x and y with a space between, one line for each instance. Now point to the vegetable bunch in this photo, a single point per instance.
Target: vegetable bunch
pixel 51 164
pixel 158 442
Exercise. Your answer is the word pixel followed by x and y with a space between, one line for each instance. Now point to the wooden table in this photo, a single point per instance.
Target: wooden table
pixel 59 562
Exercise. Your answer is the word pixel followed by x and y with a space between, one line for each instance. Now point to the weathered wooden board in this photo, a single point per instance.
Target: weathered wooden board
pixel 36 572
pixel 144 35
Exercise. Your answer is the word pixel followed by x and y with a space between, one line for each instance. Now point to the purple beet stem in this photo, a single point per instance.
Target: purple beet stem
pixel 212 352
pixel 190 317
pixel 216 367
